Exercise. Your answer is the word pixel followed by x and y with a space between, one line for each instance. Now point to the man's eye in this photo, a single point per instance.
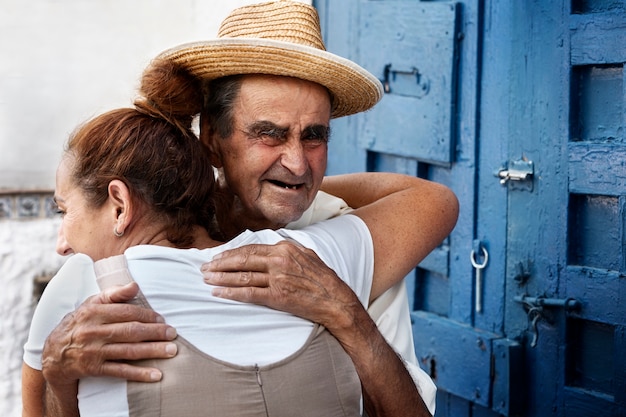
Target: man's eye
pixel 314 142
pixel 271 137
pixel 316 136
pixel 315 139
pixel 268 133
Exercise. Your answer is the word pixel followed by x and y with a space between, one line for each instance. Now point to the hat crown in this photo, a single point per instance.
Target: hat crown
pixel 286 21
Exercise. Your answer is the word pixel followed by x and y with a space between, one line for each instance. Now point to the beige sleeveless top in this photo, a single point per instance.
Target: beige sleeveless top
pixel 317 380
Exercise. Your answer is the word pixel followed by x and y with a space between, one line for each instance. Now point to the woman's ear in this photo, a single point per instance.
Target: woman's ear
pixel 121 205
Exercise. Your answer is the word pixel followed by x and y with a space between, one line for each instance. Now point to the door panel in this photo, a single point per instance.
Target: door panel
pixel 415 58
pixel 570 122
pixel 595 271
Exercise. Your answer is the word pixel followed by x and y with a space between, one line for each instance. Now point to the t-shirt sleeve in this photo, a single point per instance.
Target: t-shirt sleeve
pixel 74 282
pixel 324 207
pixel 344 244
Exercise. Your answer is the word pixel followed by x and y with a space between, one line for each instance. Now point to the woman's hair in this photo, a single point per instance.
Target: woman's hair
pixel 153 150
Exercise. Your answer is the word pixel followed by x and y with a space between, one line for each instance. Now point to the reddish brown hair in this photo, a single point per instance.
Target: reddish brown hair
pixel 152 149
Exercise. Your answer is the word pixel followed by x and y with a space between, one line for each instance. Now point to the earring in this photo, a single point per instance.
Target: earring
pixel 116 233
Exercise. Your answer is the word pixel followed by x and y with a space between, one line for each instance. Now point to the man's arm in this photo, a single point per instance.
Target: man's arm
pixel 388 388
pixel 291 278
pixel 61 401
pixel 94 340
pixel 392 316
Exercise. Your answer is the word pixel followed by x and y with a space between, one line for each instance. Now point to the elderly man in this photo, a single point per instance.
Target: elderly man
pixel 271 90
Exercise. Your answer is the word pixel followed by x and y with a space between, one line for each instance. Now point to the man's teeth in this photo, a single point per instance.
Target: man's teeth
pixel 286 186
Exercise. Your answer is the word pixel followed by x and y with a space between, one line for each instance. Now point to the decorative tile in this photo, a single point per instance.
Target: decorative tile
pixel 5 207
pixel 28 206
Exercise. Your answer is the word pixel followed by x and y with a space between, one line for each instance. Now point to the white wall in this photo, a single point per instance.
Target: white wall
pixel 63 61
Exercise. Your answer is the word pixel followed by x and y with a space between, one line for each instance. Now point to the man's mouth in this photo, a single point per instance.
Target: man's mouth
pixel 285 185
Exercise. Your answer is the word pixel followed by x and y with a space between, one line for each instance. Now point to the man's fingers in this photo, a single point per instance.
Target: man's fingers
pixel 131 372
pixel 137 351
pixel 118 294
pixel 255 257
pixel 259 296
pixel 249 258
pixel 236 279
pixel 131 332
pixel 93 311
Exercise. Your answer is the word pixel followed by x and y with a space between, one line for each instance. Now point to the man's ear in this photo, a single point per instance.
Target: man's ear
pixel 121 205
pixel 210 140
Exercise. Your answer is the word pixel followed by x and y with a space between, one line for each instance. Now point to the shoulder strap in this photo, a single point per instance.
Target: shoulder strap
pixel 114 271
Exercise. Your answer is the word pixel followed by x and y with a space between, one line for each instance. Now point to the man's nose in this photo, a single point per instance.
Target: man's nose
pixel 294 157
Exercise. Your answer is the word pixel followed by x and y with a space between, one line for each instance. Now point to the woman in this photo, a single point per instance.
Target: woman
pixel 137 182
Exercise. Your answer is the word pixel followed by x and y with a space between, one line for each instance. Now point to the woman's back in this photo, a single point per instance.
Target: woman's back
pixel 225 347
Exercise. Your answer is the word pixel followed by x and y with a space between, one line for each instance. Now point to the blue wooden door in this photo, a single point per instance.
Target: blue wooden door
pixel 565 232
pixel 518 106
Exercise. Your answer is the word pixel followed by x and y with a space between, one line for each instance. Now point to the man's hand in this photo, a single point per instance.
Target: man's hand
pixel 284 277
pixel 100 333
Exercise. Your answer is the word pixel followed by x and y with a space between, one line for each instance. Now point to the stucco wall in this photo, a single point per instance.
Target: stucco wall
pixel 64 61
pixel 26 252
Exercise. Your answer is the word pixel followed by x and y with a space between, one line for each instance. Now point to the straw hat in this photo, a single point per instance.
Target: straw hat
pixel 279 38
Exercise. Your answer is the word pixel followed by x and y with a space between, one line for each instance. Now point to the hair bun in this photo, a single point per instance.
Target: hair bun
pixel 170 92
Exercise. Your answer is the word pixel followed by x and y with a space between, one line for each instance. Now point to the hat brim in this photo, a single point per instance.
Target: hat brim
pixel 353 88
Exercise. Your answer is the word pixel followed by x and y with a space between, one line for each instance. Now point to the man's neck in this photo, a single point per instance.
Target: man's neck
pixel 236 220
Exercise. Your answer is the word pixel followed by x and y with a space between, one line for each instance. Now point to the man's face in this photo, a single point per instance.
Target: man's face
pixel 276 158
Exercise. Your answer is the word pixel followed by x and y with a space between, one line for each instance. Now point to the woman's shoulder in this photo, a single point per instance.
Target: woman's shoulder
pixel 76 267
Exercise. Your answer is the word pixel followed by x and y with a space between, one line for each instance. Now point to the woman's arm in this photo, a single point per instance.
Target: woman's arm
pixel 33 387
pixel 39 401
pixel 407 217
pixel 362 188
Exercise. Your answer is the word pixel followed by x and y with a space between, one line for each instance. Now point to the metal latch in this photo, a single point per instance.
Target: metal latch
pixel 517 172
pixel 569 304
pixel 535 310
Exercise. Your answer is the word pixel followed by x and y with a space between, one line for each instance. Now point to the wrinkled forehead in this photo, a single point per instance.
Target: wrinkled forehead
pixel 277 81
pixel 283 100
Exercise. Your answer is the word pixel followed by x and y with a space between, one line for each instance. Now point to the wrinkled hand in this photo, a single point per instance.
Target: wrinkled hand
pixel 101 332
pixel 285 277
